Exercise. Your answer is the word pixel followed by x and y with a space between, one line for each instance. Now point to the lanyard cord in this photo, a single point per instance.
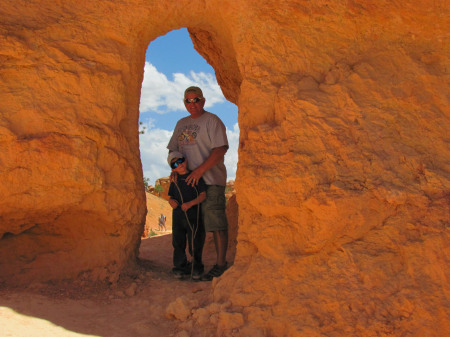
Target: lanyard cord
pixel 193 233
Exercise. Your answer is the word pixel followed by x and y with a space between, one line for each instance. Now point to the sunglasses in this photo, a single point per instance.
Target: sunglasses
pixel 177 163
pixel 192 100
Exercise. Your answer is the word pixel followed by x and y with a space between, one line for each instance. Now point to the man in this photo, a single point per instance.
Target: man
pixel 202 139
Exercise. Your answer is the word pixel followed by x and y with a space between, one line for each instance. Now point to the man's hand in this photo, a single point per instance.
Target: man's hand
pixel 194 177
pixel 216 155
pixel 173 177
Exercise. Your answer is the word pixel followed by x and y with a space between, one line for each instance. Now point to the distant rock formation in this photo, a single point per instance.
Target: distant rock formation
pixel 164 184
pixel 229 189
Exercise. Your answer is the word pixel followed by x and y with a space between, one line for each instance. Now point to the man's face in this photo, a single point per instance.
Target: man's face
pixel 195 109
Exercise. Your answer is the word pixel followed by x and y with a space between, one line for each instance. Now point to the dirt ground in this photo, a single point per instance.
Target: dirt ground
pixel 135 307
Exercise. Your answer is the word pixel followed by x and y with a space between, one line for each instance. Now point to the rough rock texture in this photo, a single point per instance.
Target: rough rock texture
pixel 343 112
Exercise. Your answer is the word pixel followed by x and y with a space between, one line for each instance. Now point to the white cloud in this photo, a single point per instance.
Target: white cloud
pixel 231 157
pixel 153 146
pixel 159 94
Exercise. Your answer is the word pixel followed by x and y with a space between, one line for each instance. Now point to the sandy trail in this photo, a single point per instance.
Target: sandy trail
pixel 135 307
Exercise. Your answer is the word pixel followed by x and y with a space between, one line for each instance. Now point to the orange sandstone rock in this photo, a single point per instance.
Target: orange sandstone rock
pixel 343 178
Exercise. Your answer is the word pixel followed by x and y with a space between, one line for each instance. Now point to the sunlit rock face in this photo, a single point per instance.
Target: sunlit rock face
pixel 72 200
pixel 343 181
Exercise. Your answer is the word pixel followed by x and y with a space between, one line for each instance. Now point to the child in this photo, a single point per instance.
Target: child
pixel 186 219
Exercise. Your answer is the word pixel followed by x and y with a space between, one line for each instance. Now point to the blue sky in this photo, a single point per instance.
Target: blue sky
pixel 172 64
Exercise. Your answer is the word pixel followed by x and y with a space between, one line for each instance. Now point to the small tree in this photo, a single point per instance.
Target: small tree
pixel 159 189
pixel 141 131
pixel 146 181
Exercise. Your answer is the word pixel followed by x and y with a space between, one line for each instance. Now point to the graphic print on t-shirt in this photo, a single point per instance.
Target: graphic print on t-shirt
pixel 188 135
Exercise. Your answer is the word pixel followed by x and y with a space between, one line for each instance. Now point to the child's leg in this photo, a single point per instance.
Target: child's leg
pixel 199 242
pixel 179 244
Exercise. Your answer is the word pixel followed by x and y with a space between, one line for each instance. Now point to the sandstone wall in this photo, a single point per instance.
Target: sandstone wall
pixel 343 112
pixel 72 200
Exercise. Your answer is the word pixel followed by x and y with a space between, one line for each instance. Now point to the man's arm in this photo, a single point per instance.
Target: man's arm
pixel 217 154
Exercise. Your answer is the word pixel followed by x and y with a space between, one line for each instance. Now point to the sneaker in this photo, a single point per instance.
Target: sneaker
pixel 178 273
pixel 216 271
pixel 196 275
pixel 197 272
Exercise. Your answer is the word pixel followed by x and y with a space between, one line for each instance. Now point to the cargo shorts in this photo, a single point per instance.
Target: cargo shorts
pixel 213 209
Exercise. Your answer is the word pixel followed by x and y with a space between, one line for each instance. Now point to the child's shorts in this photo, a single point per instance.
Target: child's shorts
pixel 213 209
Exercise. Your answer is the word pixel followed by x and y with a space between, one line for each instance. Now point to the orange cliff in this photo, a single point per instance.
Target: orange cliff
pixel 343 178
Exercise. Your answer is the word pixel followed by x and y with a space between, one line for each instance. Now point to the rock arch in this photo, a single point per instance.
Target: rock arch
pixel 73 201
pixel 343 113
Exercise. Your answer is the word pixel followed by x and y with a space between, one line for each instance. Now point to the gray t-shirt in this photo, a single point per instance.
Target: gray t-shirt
pixel 196 138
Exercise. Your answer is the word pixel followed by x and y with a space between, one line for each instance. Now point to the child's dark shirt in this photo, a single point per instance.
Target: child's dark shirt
pixel 188 193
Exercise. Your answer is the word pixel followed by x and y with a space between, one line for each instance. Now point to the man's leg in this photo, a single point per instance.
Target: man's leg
pixel 221 243
pixel 216 222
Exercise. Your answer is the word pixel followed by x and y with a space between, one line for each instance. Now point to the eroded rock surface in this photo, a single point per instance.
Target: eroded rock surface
pixel 343 182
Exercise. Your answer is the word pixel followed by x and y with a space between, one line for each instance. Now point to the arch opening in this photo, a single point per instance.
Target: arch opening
pixel 171 65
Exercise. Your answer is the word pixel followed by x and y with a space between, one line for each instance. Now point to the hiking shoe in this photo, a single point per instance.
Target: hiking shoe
pixel 178 273
pixel 196 275
pixel 216 271
pixel 197 271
